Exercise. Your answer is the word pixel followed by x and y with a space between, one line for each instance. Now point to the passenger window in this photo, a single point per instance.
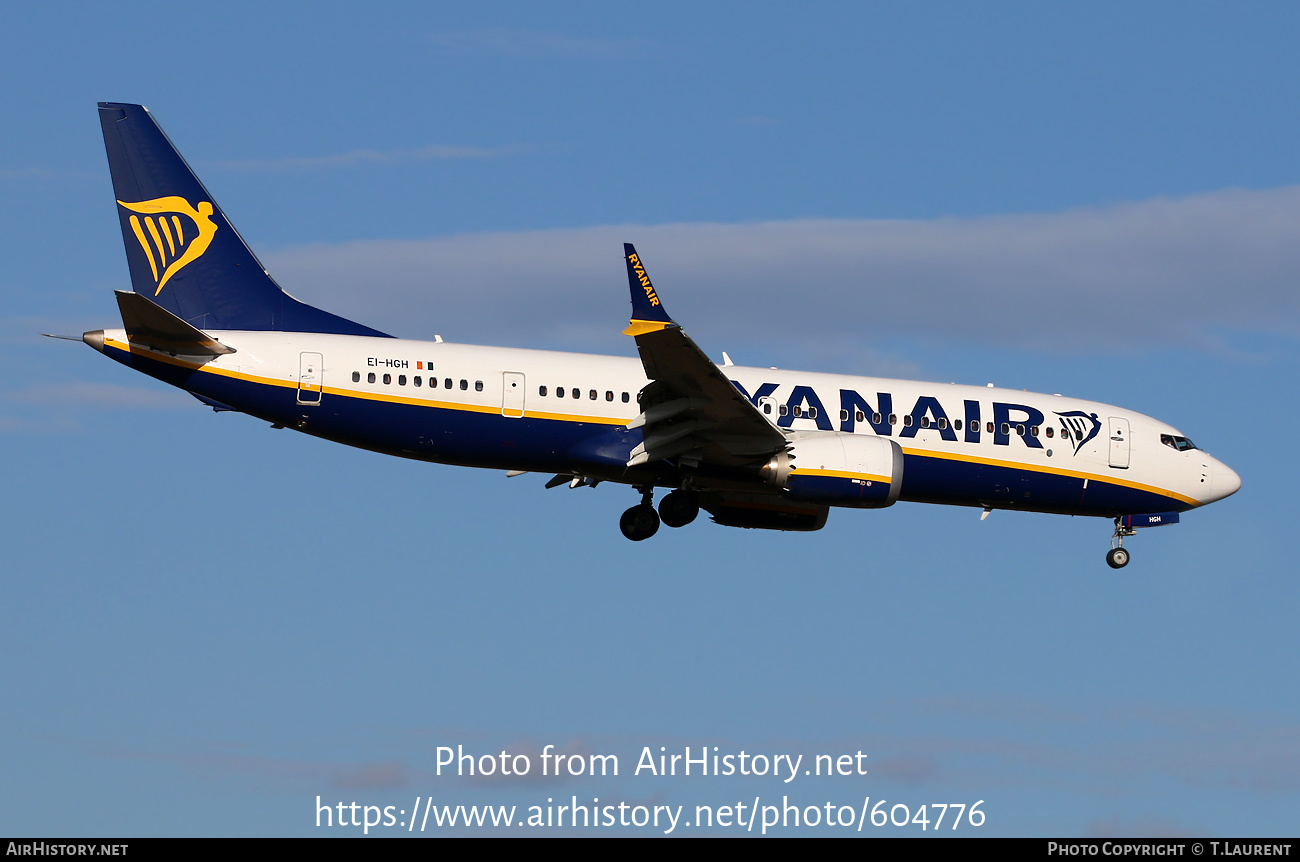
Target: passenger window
pixel 812 412
pixel 559 392
pixel 1049 432
pixel 401 380
pixel 907 421
pixel 356 376
pixel 893 418
pixel 418 380
pixel 464 384
pixel 943 423
pixel 974 426
pixel 925 421
pixel 767 407
pixel 1006 429
pixel 446 383
pixel 609 395
pixel 1033 430
pixel 989 428
pixel 844 416
pixel 370 378
pixel 785 408
pixel 593 395
pixel 798 411
pixel 625 398
pixel 541 390
pixel 1020 429
pixel 861 417
pixel 388 378
pixel 478 385
pixel 575 392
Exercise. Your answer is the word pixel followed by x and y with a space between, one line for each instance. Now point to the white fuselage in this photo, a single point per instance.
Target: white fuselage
pixel 534 410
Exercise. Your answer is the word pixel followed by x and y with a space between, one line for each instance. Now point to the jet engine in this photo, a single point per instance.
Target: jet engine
pixel 835 469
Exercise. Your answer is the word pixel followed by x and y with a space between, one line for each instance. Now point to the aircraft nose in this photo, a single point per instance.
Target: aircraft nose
pixel 1224 481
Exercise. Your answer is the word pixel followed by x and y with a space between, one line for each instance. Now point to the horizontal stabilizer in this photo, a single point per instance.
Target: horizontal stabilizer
pixel 155 327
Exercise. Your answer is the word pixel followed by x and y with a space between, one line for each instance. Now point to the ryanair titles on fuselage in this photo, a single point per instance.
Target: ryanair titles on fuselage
pixel 971 425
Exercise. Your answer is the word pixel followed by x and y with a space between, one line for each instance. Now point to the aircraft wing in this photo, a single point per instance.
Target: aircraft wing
pixel 690 410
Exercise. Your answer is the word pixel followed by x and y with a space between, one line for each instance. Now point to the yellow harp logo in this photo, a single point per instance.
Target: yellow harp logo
pixel 172 233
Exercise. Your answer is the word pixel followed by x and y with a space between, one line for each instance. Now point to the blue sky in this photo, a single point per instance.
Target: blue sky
pixel 209 623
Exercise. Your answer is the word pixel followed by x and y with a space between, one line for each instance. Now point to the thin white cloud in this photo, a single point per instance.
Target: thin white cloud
pixel 370 157
pixel 1149 274
pixel 501 42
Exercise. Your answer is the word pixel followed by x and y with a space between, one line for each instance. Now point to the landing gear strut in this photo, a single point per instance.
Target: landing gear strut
pixel 1117 557
pixel 641 521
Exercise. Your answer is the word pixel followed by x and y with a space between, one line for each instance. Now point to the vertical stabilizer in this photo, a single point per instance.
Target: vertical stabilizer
pixel 184 254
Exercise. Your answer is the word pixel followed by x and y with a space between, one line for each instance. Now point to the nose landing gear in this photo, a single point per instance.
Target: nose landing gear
pixel 1117 557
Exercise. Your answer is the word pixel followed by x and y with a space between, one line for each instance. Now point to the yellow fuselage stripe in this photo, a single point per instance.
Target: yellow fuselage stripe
pixel 1058 471
pixel 352 393
pixel 607 420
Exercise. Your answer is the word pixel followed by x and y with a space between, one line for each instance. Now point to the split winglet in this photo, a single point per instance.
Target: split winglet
pixel 648 313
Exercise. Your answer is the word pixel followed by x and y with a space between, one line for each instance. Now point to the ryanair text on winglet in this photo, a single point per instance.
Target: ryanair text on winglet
pixel 645 279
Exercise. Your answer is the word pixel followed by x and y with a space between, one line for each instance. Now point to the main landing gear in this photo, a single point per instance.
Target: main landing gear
pixel 677 509
pixel 1117 557
pixel 640 522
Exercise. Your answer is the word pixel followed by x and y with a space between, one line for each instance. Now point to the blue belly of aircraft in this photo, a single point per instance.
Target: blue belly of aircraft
pixel 928 479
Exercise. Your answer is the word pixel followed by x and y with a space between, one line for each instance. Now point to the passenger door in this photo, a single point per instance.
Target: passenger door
pixel 1119 450
pixel 310 378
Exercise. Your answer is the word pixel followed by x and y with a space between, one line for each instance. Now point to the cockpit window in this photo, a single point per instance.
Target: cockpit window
pixel 1182 444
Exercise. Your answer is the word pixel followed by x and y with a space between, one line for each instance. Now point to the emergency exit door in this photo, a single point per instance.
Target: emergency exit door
pixel 512 396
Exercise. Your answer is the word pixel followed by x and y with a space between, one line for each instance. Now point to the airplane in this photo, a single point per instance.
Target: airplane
pixel 758 448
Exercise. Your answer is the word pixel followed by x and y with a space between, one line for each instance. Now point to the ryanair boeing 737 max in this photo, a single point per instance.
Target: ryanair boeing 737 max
pixel 755 447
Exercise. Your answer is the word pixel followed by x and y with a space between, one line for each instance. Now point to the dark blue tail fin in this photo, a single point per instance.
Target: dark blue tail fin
pixel 183 252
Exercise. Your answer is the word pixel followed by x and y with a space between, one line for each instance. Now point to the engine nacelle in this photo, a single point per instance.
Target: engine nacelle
pixel 839 470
